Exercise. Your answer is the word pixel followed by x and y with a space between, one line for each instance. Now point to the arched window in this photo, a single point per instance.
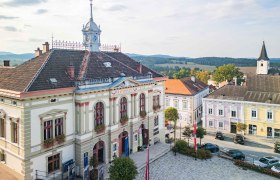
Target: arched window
pixel 142 102
pixel 99 113
pixel 123 109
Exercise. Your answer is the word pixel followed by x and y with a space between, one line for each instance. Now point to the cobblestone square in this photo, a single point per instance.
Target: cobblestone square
pixel 180 167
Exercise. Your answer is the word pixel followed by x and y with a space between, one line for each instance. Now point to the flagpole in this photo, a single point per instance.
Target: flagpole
pixel 147 161
pixel 194 133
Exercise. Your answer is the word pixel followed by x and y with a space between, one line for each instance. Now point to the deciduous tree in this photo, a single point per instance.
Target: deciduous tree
pixel 200 132
pixel 123 168
pixel 188 134
pixel 171 114
pixel 226 73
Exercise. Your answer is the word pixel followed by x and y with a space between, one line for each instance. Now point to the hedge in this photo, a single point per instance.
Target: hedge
pixel 257 168
pixel 181 147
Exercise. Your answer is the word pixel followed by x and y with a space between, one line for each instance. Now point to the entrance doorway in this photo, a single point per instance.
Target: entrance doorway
pixel 269 132
pixel 123 144
pixel 98 152
pixel 232 127
pixel 252 129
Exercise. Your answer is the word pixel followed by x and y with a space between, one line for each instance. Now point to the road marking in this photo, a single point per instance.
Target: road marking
pixel 252 155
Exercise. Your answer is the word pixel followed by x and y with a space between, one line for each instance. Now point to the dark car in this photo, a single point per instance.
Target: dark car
pixel 238 138
pixel 277 147
pixel 213 148
pixel 219 135
pixel 235 154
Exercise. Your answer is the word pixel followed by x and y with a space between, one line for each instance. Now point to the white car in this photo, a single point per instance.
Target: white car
pixel 267 162
pixel 276 168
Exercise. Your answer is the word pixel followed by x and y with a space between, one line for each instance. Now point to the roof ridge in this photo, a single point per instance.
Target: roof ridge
pixel 38 72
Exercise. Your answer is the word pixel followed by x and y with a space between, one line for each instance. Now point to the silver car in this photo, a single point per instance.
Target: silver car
pixel 267 162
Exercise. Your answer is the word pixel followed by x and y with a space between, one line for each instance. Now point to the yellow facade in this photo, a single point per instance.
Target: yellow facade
pixel 267 120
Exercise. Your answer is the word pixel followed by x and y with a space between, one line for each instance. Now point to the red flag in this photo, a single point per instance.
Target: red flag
pixel 147 165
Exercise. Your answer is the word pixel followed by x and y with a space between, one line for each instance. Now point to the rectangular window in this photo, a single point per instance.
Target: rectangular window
pixel 115 147
pixel 221 112
pixel 156 101
pixel 210 111
pixel 58 127
pixel 254 114
pixel 135 137
pixel 156 121
pixel 53 163
pixel 233 113
pixel 221 124
pixel 14 132
pixel 184 104
pixel 167 102
pixel 277 133
pixel 2 127
pixel 176 105
pixel 210 123
pixel 48 130
pixel 269 115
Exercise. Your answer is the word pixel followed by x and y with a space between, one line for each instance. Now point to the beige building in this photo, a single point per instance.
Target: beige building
pixel 64 106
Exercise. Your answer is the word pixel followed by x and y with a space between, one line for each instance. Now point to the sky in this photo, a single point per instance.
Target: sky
pixel 189 28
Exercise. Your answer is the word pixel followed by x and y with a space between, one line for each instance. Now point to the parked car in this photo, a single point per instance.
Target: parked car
pixel 267 162
pixel 213 148
pixel 277 147
pixel 276 168
pixel 238 138
pixel 235 154
pixel 219 135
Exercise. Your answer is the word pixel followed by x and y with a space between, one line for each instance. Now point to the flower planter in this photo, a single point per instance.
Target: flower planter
pixel 143 114
pixel 99 128
pixel 123 120
pixel 48 143
pixel 60 139
pixel 156 107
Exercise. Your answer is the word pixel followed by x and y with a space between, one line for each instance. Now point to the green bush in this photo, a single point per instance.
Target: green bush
pixel 123 168
pixel 256 168
pixel 182 148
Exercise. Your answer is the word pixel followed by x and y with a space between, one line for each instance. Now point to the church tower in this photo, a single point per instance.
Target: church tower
pixel 263 62
pixel 91 34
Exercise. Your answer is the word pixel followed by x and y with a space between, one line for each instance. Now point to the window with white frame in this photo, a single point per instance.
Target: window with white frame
pixel 269 115
pixel 210 123
pixel 115 147
pixel 14 132
pixel 221 112
pixel 184 104
pixel 167 102
pixel 253 113
pixel 176 104
pixel 210 111
pixel 221 124
pixel 135 137
pixel 53 128
pixel 2 127
pixel 233 113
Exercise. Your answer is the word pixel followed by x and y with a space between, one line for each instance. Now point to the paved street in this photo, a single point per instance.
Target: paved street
pixel 180 167
pixel 8 174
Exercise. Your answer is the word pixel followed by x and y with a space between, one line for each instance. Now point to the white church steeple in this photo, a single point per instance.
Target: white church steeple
pixel 91 34
pixel 263 62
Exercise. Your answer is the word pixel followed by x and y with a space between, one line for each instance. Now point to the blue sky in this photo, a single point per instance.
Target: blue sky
pixel 192 28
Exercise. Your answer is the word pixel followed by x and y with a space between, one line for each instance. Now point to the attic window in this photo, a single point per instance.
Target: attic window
pixel 53 100
pixel 122 75
pixel 2 100
pixel 53 81
pixel 14 102
pixel 107 64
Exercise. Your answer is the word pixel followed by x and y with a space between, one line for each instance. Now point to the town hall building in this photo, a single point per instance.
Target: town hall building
pixel 65 106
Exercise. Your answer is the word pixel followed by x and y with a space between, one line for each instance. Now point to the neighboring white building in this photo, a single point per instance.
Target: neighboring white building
pixel 62 107
pixel 186 96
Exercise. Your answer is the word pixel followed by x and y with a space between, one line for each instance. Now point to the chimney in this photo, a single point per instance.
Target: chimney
pixel 46 47
pixel 235 81
pixel 193 78
pixel 6 63
pixel 140 67
pixel 38 52
pixel 71 71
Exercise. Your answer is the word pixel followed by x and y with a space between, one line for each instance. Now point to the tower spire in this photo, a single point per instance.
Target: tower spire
pixel 263 55
pixel 91 9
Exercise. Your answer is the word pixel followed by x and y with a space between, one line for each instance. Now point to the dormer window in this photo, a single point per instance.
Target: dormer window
pixel 261 64
pixel 107 64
